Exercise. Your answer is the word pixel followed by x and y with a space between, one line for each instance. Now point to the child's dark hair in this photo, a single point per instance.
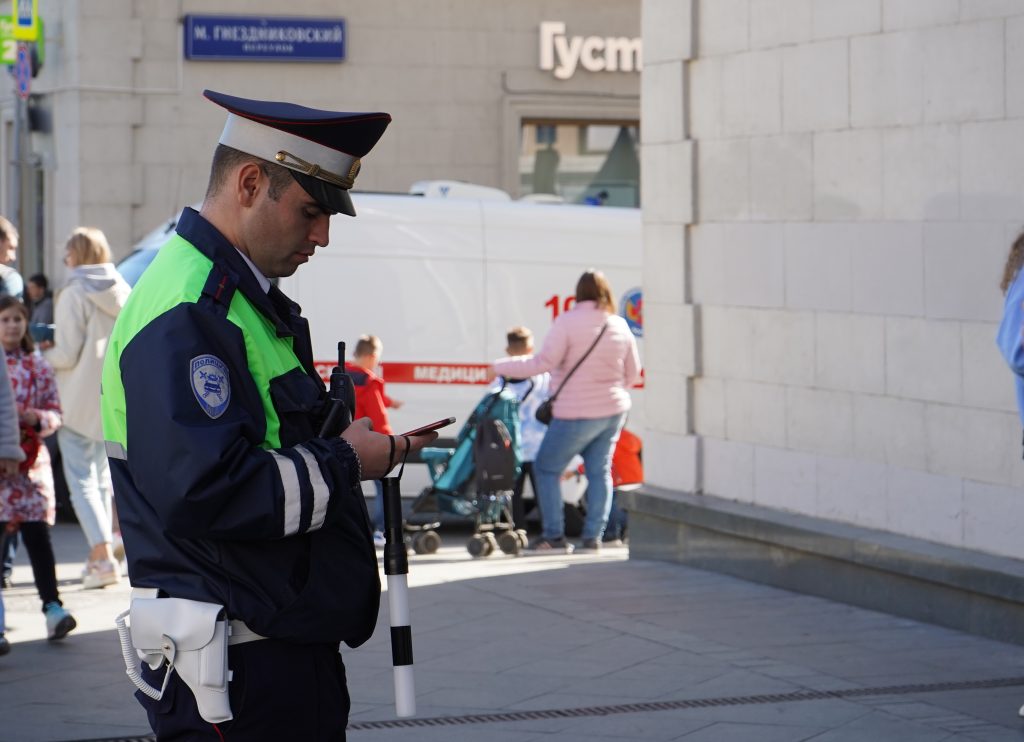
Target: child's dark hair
pixel 8 301
pixel 1014 261
pixel 40 280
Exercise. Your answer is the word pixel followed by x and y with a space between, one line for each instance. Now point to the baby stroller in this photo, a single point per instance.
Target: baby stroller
pixel 475 480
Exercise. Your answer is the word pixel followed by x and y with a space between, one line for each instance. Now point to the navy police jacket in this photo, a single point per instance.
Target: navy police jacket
pixel 225 494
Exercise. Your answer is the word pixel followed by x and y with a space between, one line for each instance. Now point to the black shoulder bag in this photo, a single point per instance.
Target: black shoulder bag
pixel 545 410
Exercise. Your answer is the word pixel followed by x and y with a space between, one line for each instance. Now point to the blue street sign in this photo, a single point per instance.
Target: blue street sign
pixel 246 38
pixel 23 71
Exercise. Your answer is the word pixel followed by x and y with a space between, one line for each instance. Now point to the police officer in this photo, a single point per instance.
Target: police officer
pixel 211 409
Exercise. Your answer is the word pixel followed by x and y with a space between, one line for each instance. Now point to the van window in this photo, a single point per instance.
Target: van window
pixel 132 266
pixel 584 162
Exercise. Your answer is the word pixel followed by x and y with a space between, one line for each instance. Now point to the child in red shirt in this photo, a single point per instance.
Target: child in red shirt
pixel 372 402
pixel 627 473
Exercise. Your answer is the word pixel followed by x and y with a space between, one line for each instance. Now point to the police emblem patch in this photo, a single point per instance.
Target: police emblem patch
pixel 210 384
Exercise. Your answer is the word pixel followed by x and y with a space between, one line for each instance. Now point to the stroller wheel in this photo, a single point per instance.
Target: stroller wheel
pixel 508 542
pixel 491 542
pixel 426 542
pixel 478 546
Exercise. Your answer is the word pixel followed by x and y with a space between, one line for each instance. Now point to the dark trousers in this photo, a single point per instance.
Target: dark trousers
pixel 36 537
pixel 617 520
pixel 279 691
pixel 518 509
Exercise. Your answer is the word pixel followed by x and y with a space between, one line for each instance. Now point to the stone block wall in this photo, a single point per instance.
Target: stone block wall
pixel 837 204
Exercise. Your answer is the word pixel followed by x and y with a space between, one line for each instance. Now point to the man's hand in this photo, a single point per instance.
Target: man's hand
pixel 8 467
pixel 373 449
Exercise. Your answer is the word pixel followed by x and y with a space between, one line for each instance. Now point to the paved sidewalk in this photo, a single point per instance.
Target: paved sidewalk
pixel 572 648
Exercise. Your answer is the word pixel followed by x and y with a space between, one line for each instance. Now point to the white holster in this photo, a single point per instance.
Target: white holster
pixel 191 637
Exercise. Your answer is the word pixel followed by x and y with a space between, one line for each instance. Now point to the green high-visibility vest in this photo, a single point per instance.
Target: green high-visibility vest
pixel 177 276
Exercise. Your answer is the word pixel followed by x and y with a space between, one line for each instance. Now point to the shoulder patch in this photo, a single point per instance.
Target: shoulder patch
pixel 210 384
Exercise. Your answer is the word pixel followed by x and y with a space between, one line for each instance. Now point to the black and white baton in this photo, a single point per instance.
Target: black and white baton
pixel 396 563
pixel 396 567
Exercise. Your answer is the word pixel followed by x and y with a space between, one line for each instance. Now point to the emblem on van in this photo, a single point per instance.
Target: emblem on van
pixel 210 384
pixel 631 307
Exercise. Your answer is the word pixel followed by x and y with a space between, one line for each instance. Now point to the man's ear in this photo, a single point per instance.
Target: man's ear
pixel 249 181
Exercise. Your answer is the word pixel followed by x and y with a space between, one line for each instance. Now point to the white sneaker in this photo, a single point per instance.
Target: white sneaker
pixel 378 540
pixel 100 574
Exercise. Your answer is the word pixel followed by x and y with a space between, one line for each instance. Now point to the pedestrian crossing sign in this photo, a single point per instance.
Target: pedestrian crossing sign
pixel 25 18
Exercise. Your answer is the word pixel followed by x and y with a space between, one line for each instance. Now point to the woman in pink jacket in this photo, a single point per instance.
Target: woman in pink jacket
pixel 588 412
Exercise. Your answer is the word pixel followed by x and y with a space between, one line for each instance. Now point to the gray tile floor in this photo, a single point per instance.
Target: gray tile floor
pixel 525 635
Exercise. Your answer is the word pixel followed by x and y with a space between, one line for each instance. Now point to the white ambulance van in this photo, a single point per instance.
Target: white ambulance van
pixel 439 275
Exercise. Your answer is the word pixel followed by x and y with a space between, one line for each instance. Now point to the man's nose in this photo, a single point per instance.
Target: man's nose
pixel 321 230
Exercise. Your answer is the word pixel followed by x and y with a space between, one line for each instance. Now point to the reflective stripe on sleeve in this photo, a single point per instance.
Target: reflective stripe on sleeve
pixel 321 492
pixel 292 498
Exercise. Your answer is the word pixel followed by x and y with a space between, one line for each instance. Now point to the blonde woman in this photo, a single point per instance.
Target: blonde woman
pixel 84 316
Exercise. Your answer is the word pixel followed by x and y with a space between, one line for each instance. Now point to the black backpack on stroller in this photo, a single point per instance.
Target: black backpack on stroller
pixel 495 458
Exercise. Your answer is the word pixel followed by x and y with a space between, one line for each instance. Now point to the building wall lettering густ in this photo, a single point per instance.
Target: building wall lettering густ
pixel 562 54
pixel 830 191
pixel 132 135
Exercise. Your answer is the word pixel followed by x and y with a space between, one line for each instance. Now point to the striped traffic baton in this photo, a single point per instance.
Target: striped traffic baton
pixel 396 567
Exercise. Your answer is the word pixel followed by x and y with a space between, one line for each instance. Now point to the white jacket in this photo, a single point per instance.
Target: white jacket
pixel 84 315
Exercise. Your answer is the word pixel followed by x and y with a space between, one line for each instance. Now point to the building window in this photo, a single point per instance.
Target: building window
pixel 581 161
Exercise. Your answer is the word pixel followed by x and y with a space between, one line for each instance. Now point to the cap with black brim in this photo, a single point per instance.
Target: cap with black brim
pixel 321 149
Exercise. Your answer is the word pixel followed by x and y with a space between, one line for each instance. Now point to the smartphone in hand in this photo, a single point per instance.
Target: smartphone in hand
pixel 431 427
pixel 41 332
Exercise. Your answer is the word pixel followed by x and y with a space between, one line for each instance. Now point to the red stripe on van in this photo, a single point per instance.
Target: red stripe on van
pixel 428 373
pixel 421 373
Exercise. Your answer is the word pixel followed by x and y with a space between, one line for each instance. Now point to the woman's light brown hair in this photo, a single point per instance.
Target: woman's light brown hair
pixel 88 246
pixel 593 286
pixel 1013 263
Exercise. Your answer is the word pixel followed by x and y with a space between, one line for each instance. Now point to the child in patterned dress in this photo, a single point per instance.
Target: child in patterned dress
pixel 11 456
pixel 27 501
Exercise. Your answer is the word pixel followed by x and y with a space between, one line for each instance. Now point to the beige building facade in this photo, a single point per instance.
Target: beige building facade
pixel 124 135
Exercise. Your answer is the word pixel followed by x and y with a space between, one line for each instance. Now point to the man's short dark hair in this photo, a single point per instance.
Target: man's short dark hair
pixel 226 159
pixel 39 280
